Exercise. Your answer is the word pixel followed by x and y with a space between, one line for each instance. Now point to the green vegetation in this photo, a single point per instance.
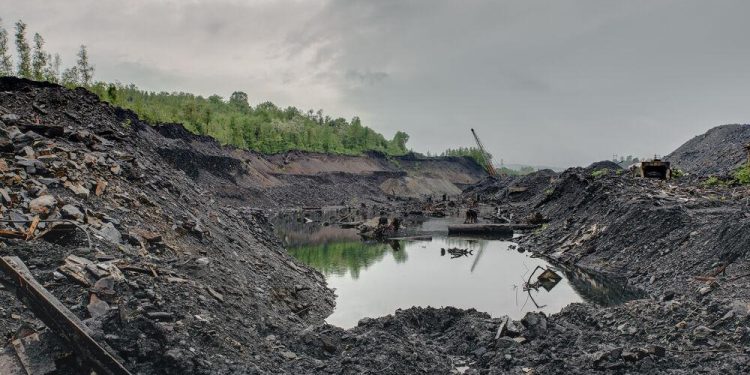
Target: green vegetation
pixel 742 175
pixel 265 127
pixel 35 63
pixel 342 257
pixel 471 152
pixel 677 173
pixel 599 173
pixel 715 181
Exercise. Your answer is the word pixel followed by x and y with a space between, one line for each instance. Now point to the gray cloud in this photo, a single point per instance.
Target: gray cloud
pixel 544 82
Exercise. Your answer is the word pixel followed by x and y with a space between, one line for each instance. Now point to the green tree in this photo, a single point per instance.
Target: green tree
pixel 266 127
pixel 399 142
pixel 39 59
pixel 112 92
pixel 70 77
pixel 6 64
pixel 239 100
pixel 24 51
pixel 85 70
pixel 52 70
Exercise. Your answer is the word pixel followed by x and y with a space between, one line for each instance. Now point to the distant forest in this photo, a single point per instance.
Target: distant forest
pixel 265 127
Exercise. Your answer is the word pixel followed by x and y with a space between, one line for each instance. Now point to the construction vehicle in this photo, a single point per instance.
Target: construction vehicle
pixel 485 155
pixel 655 168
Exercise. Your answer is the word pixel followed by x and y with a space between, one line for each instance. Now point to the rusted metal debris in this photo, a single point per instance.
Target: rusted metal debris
pixel 59 319
pixel 548 279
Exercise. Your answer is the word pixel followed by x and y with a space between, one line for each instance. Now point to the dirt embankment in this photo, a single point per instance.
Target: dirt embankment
pixel 311 179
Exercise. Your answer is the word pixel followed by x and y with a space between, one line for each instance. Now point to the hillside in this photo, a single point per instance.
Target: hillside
pixel 205 286
pixel 718 151
pixel 264 127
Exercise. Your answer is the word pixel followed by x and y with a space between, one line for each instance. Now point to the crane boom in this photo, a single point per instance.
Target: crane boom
pixel 486 156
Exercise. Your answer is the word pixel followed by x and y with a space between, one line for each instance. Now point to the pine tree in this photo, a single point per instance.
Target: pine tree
pixel 24 51
pixel 85 70
pixel 39 59
pixel 6 64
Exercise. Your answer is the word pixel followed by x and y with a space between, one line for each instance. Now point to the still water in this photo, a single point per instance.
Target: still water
pixel 373 279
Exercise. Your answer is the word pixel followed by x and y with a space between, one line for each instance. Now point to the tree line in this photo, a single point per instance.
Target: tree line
pixel 265 127
pixel 33 62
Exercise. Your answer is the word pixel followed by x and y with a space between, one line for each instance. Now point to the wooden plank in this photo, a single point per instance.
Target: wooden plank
pixel 59 319
pixel 11 234
pixel 32 228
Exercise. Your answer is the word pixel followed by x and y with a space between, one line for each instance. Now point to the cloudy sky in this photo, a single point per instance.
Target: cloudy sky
pixel 552 82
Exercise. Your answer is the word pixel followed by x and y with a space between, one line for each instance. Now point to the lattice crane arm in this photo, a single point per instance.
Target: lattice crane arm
pixel 486 156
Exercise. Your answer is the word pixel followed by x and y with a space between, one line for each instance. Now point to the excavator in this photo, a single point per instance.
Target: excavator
pixel 485 155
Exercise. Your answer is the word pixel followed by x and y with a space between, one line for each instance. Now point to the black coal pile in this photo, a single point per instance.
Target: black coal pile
pixel 719 151
pixel 512 188
pixel 162 273
pixel 108 215
pixel 604 164
pixel 681 243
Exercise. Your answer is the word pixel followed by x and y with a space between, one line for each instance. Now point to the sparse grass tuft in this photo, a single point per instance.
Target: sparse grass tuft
pixel 742 175
pixel 599 173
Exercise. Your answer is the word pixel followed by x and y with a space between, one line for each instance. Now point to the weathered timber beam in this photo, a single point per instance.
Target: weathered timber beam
pixel 59 319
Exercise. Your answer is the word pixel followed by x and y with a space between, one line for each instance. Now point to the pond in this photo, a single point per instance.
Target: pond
pixel 373 279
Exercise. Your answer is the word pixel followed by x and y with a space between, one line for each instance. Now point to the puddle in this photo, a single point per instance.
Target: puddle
pixel 375 279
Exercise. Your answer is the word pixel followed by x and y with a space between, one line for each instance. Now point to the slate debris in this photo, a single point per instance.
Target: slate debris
pixel 178 273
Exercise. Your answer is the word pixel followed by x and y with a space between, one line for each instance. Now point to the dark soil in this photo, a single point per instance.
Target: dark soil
pixel 719 151
pixel 208 288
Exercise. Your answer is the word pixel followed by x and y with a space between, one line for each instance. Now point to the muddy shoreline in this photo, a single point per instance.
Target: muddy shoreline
pixel 202 285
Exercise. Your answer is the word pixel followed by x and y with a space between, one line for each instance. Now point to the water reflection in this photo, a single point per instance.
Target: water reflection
pixel 340 258
pixel 600 289
pixel 374 279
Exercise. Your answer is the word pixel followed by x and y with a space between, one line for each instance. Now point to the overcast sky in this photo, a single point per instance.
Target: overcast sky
pixel 555 82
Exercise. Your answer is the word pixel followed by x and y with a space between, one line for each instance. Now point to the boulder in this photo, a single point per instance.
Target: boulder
pixel 42 205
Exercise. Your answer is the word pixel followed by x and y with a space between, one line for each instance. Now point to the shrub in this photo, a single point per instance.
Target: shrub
pixel 600 173
pixel 742 175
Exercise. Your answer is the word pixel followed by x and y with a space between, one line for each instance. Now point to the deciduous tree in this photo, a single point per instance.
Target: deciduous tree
pixel 39 59
pixel 84 69
pixel 6 64
pixel 24 51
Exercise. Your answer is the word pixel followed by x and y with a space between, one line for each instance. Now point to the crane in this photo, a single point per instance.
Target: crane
pixel 486 156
